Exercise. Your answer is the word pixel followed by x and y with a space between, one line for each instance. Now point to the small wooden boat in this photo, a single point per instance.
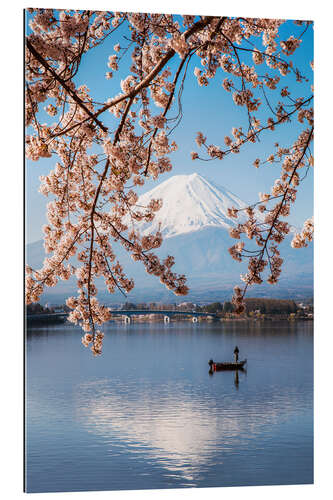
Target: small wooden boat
pixel 226 366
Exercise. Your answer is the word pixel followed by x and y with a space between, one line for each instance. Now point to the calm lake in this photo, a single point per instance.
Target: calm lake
pixel 147 414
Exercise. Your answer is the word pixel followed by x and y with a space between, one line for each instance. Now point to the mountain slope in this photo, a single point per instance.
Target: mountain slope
pixel 190 203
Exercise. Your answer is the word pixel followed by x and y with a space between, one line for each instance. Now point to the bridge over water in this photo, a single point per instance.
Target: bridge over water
pixel 126 314
pixel 166 313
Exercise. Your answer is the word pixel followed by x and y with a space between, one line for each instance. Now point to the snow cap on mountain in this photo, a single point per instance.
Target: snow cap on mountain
pixel 190 203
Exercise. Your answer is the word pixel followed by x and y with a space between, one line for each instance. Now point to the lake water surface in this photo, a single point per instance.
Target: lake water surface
pixel 146 414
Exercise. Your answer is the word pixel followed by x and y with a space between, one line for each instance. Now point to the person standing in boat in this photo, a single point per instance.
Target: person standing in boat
pixel 236 352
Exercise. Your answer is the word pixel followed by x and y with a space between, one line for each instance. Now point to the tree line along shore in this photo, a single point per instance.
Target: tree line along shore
pixel 256 308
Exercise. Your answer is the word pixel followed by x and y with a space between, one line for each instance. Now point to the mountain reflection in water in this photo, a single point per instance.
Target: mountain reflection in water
pixel 180 433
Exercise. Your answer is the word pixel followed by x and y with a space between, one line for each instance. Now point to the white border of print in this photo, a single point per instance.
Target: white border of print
pixel 11 364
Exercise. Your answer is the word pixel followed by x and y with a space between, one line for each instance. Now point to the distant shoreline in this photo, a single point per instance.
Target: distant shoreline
pixel 144 319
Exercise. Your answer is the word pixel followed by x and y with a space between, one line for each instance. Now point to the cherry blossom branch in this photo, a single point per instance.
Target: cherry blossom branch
pixel 64 85
pixel 146 81
pixel 258 263
pixel 180 67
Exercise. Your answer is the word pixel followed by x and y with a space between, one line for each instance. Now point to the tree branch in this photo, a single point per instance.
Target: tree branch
pixel 73 95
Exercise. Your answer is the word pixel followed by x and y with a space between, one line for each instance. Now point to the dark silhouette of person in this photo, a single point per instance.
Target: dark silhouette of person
pixel 236 352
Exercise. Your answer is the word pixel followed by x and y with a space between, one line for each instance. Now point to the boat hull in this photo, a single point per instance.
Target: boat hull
pixel 216 367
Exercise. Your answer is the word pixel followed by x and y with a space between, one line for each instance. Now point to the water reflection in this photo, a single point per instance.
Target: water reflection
pixel 181 432
pixel 236 375
pixel 236 379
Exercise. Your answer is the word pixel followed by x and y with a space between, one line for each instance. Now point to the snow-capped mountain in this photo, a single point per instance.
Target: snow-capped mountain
pixel 195 226
pixel 190 203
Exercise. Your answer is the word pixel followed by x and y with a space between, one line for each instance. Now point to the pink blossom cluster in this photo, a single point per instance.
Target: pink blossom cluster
pixel 301 239
pixel 238 300
pixel 289 46
pixel 178 43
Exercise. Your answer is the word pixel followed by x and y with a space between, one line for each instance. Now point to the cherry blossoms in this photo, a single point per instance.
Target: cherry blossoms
pixel 303 238
pixel 104 151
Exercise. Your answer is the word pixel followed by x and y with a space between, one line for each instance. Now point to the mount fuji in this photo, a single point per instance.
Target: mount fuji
pixel 190 203
pixel 195 226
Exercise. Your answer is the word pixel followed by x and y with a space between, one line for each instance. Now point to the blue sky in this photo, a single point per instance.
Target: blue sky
pixel 207 109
